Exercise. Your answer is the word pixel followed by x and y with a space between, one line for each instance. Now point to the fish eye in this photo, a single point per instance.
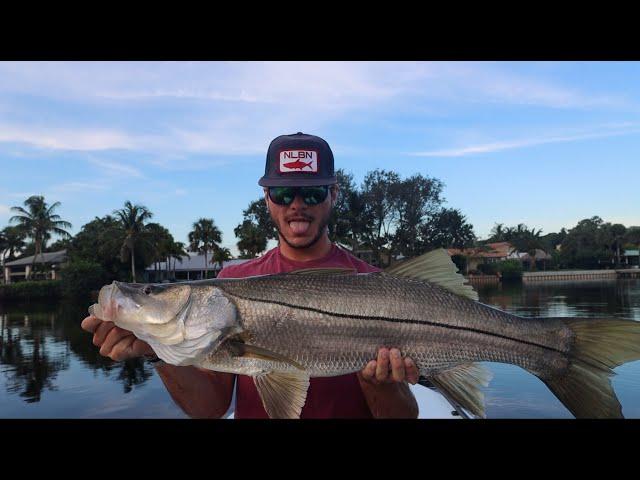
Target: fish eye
pixel 147 290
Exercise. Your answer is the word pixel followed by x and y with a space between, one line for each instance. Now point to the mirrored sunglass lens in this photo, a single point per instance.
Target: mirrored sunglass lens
pixel 282 195
pixel 313 195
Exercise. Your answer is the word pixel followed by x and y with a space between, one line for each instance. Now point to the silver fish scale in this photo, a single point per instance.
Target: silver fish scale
pixel 334 324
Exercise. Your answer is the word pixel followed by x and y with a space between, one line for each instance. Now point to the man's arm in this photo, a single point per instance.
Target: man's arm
pixel 384 385
pixel 199 393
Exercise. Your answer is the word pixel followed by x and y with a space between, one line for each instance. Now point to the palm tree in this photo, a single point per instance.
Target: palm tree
pixel 132 218
pixel 529 241
pixel 204 238
pixel 176 252
pixel 11 243
pixel 221 254
pixel 39 222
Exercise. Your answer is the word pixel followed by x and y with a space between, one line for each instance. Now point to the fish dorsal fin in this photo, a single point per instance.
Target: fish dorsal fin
pixel 462 383
pixel 435 267
pixel 246 350
pixel 283 394
pixel 324 271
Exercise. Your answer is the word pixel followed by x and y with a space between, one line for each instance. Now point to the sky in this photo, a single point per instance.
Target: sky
pixel 541 143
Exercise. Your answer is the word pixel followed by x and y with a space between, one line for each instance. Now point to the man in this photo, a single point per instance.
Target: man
pixel 300 189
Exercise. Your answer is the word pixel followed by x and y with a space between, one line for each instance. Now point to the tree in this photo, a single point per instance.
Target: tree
pixel 100 240
pixel 252 240
pixel 418 199
pixel 176 252
pixel 132 220
pixel 618 232
pixel 204 238
pixel 345 225
pixel 160 241
pixel 38 221
pixel 258 213
pixel 220 255
pixel 448 228
pixel 552 240
pixel 527 240
pixel 380 199
pixel 497 234
pixel 255 230
pixel 583 247
pixel 11 242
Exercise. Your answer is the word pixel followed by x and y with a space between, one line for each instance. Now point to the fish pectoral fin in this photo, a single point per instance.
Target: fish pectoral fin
pixel 242 349
pixel 283 394
pixel 324 271
pixel 461 384
pixel 435 267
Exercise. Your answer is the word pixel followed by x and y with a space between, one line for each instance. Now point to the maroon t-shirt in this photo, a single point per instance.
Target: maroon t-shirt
pixel 328 397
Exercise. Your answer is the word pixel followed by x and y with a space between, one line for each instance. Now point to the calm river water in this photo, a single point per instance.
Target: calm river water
pixel 50 369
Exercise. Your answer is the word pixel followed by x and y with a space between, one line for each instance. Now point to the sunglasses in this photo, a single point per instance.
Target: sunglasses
pixel 310 195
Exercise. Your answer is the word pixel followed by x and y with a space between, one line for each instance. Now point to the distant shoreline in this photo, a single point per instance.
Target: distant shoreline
pixel 562 275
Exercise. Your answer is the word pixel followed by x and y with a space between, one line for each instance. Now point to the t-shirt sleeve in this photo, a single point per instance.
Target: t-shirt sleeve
pixel 226 272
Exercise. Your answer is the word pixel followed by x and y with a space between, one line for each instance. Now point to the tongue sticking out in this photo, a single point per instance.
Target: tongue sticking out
pixel 299 228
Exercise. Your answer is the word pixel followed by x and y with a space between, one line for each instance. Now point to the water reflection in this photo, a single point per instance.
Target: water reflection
pixel 37 344
pixel 613 298
pixel 515 393
pixel 50 368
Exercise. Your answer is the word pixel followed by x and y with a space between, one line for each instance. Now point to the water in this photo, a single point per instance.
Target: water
pixel 514 393
pixel 50 369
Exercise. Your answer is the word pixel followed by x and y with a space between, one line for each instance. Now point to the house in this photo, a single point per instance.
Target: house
pixel 496 252
pixel 631 258
pixel 489 253
pixel 192 268
pixel 47 267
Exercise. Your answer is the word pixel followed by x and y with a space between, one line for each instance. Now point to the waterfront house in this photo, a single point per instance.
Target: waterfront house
pixel 47 267
pixel 496 252
pixel 631 258
pixel 489 253
pixel 192 268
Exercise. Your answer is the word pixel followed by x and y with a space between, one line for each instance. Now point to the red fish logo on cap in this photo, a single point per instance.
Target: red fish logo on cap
pixel 299 161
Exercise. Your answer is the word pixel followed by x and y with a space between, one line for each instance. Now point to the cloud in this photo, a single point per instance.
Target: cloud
pixel 79 186
pixel 112 168
pixel 77 138
pixel 223 109
pixel 4 211
pixel 521 143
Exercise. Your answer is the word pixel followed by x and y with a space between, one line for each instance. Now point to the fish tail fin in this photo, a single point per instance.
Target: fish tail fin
pixel 600 345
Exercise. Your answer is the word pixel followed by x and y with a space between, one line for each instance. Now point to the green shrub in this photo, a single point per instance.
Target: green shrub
pixel 510 270
pixel 460 261
pixel 488 268
pixel 32 290
pixel 79 277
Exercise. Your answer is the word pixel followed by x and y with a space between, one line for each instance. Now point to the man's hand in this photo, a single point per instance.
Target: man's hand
pixel 115 342
pixel 390 367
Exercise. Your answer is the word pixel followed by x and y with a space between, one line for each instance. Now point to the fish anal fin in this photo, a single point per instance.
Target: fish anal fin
pixel 462 385
pixel 283 394
pixel 435 267
pixel 247 350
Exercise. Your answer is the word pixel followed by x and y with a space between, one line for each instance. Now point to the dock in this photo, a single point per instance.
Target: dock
pixel 573 275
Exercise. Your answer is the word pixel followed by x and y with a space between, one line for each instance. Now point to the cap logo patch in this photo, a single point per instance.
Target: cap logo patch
pixel 305 161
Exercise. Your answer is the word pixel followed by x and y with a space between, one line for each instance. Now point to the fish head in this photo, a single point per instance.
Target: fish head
pixel 135 306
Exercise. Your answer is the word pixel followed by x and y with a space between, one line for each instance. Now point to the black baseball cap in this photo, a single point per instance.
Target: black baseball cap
pixel 298 160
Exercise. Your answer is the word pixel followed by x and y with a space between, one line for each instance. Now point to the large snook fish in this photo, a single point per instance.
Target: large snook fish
pixel 283 329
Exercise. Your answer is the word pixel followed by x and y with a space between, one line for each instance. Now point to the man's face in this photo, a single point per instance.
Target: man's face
pixel 301 225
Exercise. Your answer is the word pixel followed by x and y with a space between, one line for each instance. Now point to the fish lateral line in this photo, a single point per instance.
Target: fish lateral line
pixel 399 320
